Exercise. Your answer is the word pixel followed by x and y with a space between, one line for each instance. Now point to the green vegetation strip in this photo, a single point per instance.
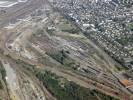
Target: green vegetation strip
pixel 66 27
pixel 63 89
pixel 67 90
pixel 2 71
pixel 1 85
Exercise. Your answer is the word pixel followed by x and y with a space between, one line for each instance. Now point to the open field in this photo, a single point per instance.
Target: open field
pixel 46 56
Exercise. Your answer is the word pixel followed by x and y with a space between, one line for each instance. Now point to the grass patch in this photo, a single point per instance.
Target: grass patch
pixel 63 58
pixel 67 90
pixel 1 85
pixel 66 27
pixel 63 89
pixel 2 71
pixel 130 26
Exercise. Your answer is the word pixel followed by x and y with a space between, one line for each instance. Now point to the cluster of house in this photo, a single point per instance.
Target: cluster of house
pixel 105 21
